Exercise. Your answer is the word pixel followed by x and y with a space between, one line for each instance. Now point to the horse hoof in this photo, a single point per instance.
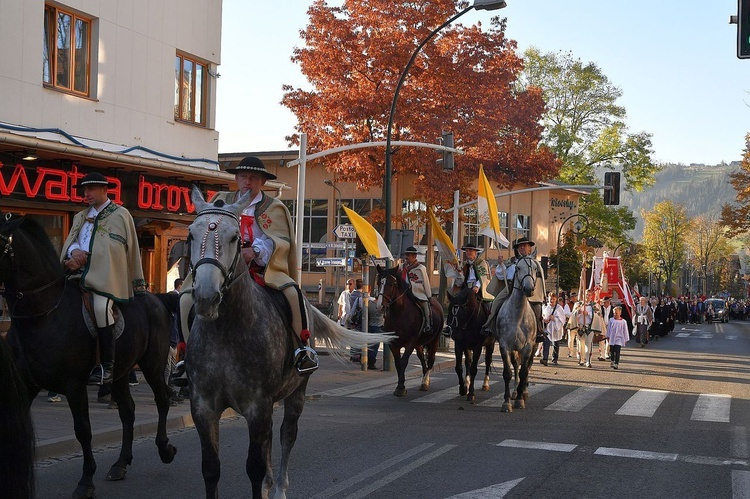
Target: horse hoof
pixel 461 390
pixel 424 388
pixel 485 388
pixel 519 404
pixel 83 492
pixel 525 396
pixel 471 398
pixel 116 473
pixel 399 392
pixel 506 407
pixel 167 452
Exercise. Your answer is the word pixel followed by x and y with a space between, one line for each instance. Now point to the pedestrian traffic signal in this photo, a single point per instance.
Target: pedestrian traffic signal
pixel 447 160
pixel 612 188
pixel 743 29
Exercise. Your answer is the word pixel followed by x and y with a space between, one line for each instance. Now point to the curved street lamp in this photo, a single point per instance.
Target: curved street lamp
pixel 579 227
pixel 479 5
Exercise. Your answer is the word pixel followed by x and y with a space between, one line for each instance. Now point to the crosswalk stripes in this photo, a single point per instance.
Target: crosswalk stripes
pixel 712 407
pixel 577 400
pixel 645 403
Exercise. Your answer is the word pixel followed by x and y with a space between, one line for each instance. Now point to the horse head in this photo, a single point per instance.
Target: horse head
pixel 525 276
pixel 462 308
pixel 214 243
pixel 391 287
pixel 27 257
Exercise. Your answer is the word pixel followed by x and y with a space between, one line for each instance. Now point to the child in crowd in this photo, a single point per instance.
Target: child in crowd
pixel 617 333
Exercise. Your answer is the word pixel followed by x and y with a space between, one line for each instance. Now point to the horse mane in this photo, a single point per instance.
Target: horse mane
pixel 41 243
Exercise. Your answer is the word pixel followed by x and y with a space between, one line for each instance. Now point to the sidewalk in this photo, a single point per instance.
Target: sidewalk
pixel 53 422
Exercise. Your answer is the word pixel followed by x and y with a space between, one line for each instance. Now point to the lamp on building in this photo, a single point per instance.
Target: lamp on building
pixel 29 155
pixel 479 5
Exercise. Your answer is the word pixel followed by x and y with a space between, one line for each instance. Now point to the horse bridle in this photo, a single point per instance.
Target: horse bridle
pixel 19 295
pixel 528 275
pixel 398 297
pixel 228 273
pixel 454 312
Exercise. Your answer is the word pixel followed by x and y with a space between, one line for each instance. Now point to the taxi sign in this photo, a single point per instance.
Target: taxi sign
pixel 345 231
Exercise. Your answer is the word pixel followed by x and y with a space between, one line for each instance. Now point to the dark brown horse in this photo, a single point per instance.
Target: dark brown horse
pixel 404 317
pixel 465 318
pixel 54 349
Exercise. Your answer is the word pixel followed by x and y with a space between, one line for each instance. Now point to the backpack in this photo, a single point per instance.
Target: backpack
pixel 355 318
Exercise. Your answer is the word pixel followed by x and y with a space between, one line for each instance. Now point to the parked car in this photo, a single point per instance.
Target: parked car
pixel 720 310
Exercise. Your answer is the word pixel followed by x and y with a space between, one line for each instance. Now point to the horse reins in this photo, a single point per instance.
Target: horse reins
pixel 391 302
pixel 229 274
pixel 528 275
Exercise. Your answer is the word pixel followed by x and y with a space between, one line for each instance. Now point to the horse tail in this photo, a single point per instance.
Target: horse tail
pixel 16 431
pixel 337 337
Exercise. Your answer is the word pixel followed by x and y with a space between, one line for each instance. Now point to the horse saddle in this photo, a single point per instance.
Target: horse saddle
pixel 87 309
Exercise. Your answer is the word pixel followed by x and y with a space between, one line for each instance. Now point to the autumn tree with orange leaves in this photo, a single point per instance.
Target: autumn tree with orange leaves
pixel 736 216
pixel 463 81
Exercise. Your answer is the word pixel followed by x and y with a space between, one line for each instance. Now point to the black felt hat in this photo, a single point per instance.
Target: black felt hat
pixel 410 249
pixel 522 240
pixel 253 165
pixel 470 246
pixel 94 179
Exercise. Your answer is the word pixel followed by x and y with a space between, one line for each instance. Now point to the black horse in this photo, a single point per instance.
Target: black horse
pixel 465 318
pixel 55 350
pixel 404 316
pixel 16 431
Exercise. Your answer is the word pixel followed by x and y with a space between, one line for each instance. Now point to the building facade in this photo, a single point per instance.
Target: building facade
pixel 124 88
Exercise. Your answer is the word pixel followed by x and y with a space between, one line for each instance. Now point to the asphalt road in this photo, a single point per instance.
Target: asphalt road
pixel 671 422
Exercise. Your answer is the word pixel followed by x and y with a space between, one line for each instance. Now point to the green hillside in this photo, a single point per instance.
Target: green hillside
pixel 702 189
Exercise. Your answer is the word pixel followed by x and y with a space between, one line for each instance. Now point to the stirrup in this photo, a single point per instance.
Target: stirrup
pixel 447 331
pixel 305 360
pixel 178 376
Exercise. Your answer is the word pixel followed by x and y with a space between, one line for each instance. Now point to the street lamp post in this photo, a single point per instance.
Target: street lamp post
pixel 579 227
pixel 479 5
pixel 338 222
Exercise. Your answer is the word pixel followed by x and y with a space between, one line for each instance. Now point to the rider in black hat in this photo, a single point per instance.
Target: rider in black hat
pixel 415 275
pixel 522 247
pixel 102 250
pixel 268 248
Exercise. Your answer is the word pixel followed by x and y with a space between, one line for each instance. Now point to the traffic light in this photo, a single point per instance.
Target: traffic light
pixel 447 141
pixel 743 29
pixel 611 188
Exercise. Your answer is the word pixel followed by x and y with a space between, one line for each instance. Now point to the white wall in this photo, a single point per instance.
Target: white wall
pixel 135 42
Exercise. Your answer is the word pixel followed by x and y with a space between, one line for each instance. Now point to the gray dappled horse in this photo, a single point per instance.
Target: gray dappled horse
pixel 241 347
pixel 515 331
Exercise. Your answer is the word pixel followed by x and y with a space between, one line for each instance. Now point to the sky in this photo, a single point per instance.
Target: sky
pixel 674 60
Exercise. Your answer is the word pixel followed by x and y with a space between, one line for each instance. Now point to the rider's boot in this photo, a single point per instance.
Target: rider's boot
pixel 102 373
pixel 305 358
pixel 178 376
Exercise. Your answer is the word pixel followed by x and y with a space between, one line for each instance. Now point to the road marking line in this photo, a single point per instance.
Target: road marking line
pixel 364 492
pixel 731 337
pixel 740 484
pixel 385 390
pixel 705 336
pixel 577 400
pixel 712 407
pixel 643 403
pixel 497 491
pixel 738 443
pixel 497 400
pixel 635 454
pixel 448 394
pixel 360 477
pixel 521 444
pixel 682 335
pixel 360 387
